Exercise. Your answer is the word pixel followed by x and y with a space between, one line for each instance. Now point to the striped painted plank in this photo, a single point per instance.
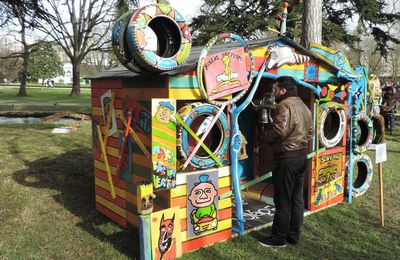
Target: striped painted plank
pixel 101 166
pixel 222 214
pixel 112 161
pixel 107 195
pixel 222 225
pixel 111 215
pixel 111 206
pixel 97 93
pixel 222 172
pixel 205 241
pixel 222 204
pixel 106 83
pixel 181 190
pixel 183 82
pixel 144 93
pixel 103 184
pixel 185 94
pixel 96 102
pixel 118 182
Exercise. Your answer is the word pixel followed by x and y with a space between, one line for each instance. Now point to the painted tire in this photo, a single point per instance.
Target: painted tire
pixel 119 45
pixel 200 67
pixel 364 178
pixel 173 37
pixel 362 135
pixel 332 136
pixel 378 122
pixel 189 113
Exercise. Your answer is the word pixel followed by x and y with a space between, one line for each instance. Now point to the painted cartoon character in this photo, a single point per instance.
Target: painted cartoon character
pixel 164 112
pixel 204 216
pixel 166 242
pixel 227 77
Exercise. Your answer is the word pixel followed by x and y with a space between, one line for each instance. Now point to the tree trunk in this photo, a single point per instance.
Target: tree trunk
pixel 24 72
pixel 76 74
pixel 312 22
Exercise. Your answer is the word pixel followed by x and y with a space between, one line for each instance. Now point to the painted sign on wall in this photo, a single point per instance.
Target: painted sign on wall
pixel 328 178
pixel 163 143
pixel 202 206
pixel 166 234
pixel 225 73
pixel 105 109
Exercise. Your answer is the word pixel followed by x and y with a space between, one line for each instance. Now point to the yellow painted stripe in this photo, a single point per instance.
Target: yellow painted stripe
pixel 181 189
pixel 164 129
pixel 111 206
pixel 120 192
pixel 185 94
pixel 222 225
pixel 259 51
pixel 100 165
pixel 164 142
pixel 112 151
pixel 222 204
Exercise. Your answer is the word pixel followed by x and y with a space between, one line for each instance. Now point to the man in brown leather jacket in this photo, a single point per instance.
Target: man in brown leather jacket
pixel 292 129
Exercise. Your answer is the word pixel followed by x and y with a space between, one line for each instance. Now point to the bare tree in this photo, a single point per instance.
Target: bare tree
pixel 79 27
pixel 21 15
pixel 312 22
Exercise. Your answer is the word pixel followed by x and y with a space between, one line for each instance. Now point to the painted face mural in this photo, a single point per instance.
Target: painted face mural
pixel 164 111
pixel 203 217
pixel 202 195
pixel 165 238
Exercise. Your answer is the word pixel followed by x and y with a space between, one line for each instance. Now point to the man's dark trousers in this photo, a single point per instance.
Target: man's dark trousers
pixel 288 180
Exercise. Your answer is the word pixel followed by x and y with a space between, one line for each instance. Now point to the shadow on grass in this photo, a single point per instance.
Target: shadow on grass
pixel 71 174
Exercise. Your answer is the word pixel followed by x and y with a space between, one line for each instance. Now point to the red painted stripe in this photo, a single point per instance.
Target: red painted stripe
pixel 111 215
pixel 120 183
pixel 222 214
pixel 113 161
pixel 106 83
pixel 206 240
pixel 107 195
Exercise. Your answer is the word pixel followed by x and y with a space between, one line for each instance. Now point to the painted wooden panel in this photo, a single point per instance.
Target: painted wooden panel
pixel 165 234
pixel 327 183
pixel 163 143
pixel 111 215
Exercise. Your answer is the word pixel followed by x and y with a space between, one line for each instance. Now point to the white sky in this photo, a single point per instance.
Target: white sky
pixel 187 8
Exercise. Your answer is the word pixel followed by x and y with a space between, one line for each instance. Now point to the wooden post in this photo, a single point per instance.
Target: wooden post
pixel 380 172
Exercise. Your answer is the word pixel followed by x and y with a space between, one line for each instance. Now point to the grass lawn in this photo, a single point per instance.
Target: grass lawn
pixel 44 100
pixel 47 209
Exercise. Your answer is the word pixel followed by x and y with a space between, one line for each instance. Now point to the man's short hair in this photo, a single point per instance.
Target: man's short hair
pixel 287 83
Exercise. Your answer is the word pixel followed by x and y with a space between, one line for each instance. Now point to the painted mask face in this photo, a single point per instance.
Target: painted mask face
pixel 163 113
pixel 166 231
pixel 202 195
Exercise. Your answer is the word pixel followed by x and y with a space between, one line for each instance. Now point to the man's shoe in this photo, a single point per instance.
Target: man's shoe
pixel 269 242
pixel 291 241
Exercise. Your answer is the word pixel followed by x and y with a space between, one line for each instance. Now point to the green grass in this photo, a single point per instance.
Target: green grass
pixel 44 100
pixel 47 209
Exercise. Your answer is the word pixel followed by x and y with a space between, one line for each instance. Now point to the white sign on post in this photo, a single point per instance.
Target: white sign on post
pixel 380 153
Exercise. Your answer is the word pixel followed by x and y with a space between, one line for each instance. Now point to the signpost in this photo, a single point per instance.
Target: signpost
pixel 380 157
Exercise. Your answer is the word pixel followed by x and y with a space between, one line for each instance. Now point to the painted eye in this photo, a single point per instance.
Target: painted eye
pixel 197 192
pixel 208 190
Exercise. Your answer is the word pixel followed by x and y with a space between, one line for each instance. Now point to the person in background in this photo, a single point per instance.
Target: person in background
pixel 292 129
